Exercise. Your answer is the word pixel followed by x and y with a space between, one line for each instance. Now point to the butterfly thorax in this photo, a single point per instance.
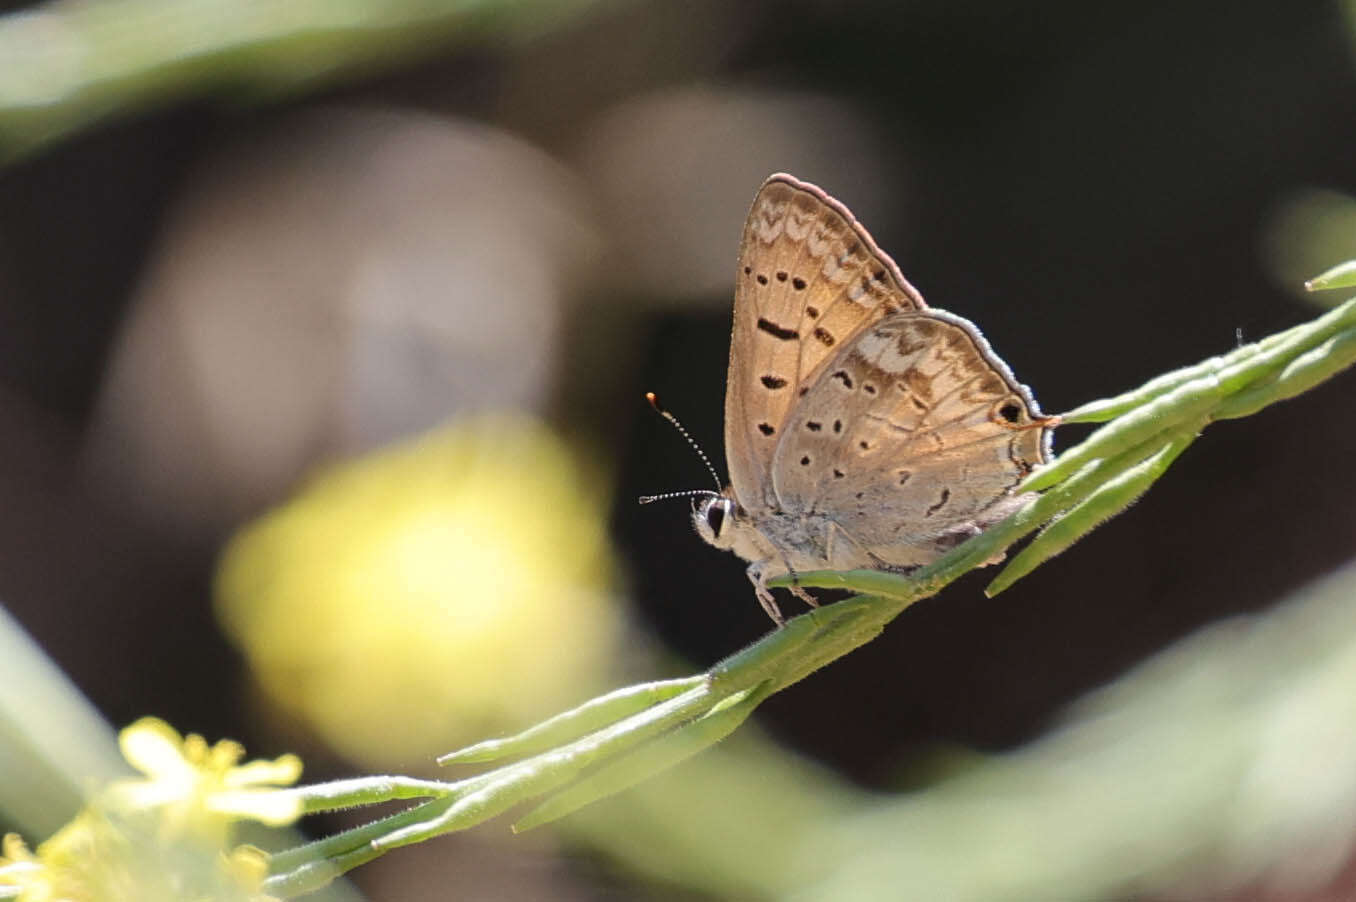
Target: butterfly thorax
pixel 779 541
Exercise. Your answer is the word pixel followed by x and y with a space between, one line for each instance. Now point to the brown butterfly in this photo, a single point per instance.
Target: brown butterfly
pixel 862 428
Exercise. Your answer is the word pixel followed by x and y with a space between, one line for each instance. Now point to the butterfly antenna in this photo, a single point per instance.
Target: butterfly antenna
pixel 654 402
pixel 694 493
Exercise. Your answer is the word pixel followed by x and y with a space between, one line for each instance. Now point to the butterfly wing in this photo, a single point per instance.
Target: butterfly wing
pixel 913 432
pixel 810 280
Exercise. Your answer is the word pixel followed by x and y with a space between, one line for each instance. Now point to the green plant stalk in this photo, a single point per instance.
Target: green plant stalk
pixel 1199 397
pixel 619 739
pixel 1307 334
pixel 316 873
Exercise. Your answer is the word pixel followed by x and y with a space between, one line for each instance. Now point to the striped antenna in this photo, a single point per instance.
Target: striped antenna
pixel 694 493
pixel 673 420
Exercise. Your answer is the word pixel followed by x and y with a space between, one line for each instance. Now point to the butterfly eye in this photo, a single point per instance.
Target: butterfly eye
pixel 715 516
pixel 715 521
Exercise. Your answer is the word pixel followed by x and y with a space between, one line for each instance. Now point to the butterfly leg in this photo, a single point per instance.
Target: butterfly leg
pixel 764 594
pixel 803 595
pixel 844 551
pixel 795 586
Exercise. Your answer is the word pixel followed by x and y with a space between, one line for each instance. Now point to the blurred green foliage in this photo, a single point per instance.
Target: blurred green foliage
pixel 67 65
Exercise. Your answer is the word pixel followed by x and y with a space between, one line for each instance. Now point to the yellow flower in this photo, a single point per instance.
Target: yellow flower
pixel 165 837
pixel 18 866
pixel 199 788
pixel 438 591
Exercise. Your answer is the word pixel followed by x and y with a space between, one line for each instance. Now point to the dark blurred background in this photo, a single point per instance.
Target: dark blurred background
pixel 1109 190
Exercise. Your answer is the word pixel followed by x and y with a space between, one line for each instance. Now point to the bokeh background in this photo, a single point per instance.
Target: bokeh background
pixel 324 330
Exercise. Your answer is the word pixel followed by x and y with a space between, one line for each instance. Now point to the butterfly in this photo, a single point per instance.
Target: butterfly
pixel 863 429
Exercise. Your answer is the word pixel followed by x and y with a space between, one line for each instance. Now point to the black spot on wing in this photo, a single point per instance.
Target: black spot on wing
pixel 779 332
pixel 773 382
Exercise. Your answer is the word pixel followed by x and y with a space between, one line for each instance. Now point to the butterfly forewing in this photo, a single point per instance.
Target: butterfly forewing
pixel 810 281
pixel 914 429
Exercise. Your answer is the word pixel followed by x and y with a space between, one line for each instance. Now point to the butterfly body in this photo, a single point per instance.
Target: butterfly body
pixel 862 429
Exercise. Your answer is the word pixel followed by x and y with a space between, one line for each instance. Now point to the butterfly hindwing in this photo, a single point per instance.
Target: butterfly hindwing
pixel 914 430
pixel 810 280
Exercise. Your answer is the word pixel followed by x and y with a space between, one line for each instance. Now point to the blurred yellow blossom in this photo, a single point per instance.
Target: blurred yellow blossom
pixel 199 786
pixel 433 593
pixel 164 837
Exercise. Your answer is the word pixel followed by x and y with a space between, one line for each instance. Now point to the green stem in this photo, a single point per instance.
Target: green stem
pixel 621 738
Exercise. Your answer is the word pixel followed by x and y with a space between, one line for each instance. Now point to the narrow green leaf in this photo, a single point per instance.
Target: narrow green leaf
pixel 1296 339
pixel 1110 499
pixel 356 839
pixel 495 792
pixel 1300 375
pixel 310 876
pixel 1189 402
pixel 339 794
pixel 1343 275
pixel 1109 408
pixel 1067 494
pixel 652 758
pixel 586 718
pixel 1192 399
